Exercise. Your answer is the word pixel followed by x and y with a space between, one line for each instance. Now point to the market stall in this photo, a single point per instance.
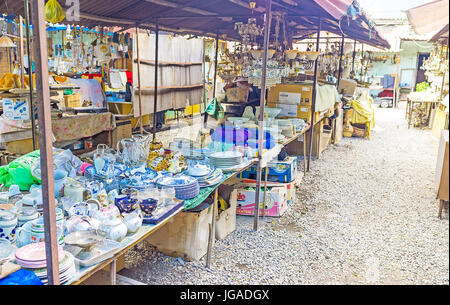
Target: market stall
pixel 141 173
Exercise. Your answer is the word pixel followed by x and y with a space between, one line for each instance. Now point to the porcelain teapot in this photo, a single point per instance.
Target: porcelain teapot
pixel 133 220
pixel 114 228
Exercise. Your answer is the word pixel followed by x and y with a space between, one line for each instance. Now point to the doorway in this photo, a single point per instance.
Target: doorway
pixel 420 75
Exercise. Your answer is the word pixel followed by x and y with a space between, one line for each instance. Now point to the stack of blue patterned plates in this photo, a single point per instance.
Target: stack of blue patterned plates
pixel 186 187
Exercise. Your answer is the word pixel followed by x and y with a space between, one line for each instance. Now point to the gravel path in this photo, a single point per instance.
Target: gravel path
pixel 366 214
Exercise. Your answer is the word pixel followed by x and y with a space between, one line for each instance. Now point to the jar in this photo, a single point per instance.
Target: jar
pixel 8 225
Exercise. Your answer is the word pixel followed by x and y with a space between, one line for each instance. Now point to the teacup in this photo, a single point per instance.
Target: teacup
pixel 38 231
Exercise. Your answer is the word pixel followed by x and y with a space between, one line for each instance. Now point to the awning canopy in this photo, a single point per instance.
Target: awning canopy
pixel 441 34
pixel 207 17
pixel 429 17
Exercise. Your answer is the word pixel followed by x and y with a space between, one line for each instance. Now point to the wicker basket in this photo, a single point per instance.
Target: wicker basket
pixel 360 130
pixel 236 95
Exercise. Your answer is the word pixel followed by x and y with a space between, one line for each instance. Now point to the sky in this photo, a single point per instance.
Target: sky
pixel 389 8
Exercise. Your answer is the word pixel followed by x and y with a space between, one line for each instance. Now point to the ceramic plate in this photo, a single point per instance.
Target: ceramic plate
pixel 147 172
pixel 180 180
pixel 90 170
pixel 35 252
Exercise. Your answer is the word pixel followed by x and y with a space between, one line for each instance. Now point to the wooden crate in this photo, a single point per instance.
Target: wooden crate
pixel 185 236
pixel 236 95
pixel 226 221
pixel 21 147
pixel 73 100
pixel 123 130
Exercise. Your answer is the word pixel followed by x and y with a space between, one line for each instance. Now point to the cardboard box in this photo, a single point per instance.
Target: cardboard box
pixel 304 89
pixel 347 86
pixel 279 171
pixel 290 98
pixel 276 201
pixel 73 101
pixel 185 235
pixel 441 181
pixel 226 221
pixel 16 109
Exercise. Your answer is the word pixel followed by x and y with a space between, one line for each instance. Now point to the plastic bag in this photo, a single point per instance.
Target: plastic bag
pixel 19 171
pixel 21 277
pixel 54 12
pixel 215 109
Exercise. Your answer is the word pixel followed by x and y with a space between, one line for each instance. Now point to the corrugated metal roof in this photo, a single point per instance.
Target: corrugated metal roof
pixel 202 17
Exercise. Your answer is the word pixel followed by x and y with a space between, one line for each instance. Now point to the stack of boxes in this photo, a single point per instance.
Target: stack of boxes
pixel 294 99
pixel 280 189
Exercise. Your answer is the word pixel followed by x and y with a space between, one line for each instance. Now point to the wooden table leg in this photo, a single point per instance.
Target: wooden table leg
pixel 265 192
pixel 410 114
pixel 441 206
pixel 212 230
pixel 304 154
pixel 113 272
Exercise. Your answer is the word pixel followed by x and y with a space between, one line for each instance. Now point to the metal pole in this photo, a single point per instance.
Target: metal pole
pixel 45 140
pixel 139 80
pixel 212 229
pixel 155 93
pixel 313 105
pixel 340 63
pixel 21 55
pixel 267 24
pixel 216 57
pixel 30 74
pixel 353 58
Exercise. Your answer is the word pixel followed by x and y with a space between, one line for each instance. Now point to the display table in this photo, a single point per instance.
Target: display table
pixel 409 108
pixel 67 128
pixel 130 241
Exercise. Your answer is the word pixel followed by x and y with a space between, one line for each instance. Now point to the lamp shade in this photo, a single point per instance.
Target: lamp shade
pixel 6 42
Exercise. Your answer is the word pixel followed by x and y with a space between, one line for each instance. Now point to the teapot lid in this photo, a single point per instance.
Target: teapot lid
pixel 26 211
pixel 6 215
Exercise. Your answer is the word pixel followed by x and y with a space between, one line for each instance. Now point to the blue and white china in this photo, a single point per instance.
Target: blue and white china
pixel 133 221
pixel 198 169
pixel 148 206
pixel 84 208
pixel 115 229
pixel 93 173
pixel 8 225
pixel 126 204
pixel 186 187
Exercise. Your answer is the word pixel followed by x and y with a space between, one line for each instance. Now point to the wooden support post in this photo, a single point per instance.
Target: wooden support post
pixel 340 63
pixel 216 58
pixel 267 27
pixel 313 104
pixel 141 128
pixel 155 94
pixel 30 74
pixel 212 229
pixel 45 140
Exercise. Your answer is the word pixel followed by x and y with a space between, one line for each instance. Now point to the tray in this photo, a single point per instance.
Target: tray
pixel 157 219
pixel 98 253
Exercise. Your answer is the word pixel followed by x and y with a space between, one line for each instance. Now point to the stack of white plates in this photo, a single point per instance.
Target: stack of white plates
pixel 226 159
pixel 33 257
pixel 212 179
